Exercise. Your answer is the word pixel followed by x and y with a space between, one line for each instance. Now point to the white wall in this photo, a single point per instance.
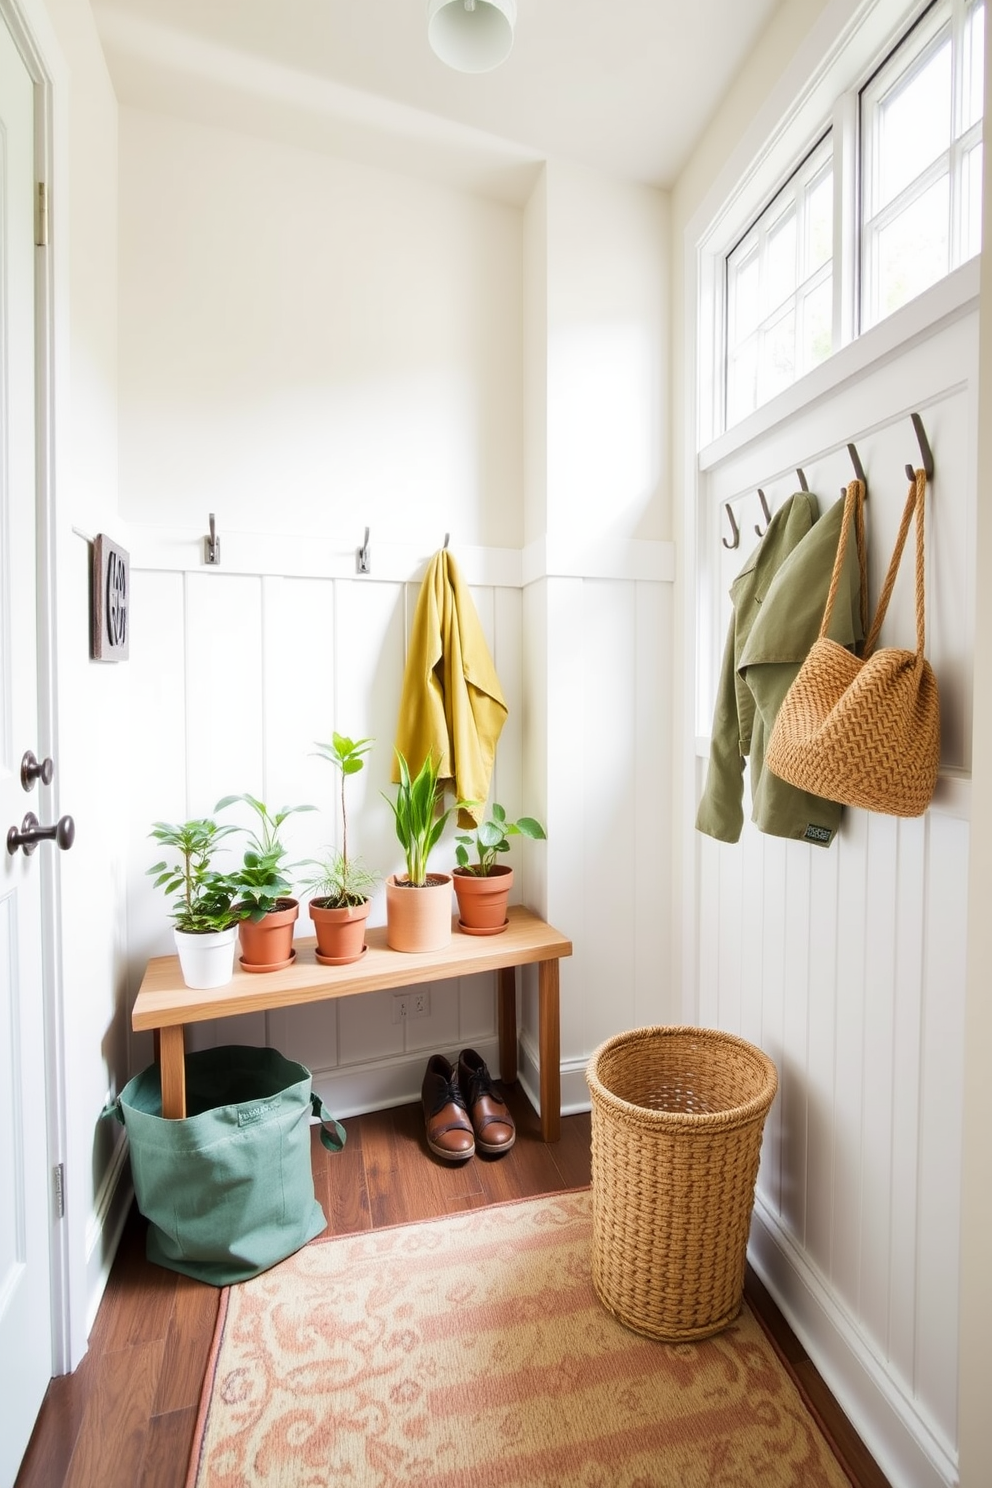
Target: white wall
pixel 314 346
pixel 309 346
pixel 975 1448
pixel 849 964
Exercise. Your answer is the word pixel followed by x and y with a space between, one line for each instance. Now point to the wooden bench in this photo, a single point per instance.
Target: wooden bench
pixel 166 1005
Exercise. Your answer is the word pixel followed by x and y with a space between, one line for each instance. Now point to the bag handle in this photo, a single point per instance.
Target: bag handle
pixel 854 506
pixel 914 507
pixel 332 1134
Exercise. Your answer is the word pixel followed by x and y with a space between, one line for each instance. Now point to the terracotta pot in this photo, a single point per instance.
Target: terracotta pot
pixel 340 932
pixel 418 916
pixel 482 901
pixel 206 959
pixel 267 944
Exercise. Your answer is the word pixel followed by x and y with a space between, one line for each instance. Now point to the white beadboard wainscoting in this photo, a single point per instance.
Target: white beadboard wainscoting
pixel 847 964
pixel 236 671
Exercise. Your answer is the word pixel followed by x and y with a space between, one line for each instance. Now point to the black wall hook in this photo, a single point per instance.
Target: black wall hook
pixel 733 527
pixel 800 472
pixel 926 455
pixel 760 531
pixel 859 470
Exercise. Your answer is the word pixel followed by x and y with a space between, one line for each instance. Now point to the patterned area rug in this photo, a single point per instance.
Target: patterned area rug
pixel 472 1352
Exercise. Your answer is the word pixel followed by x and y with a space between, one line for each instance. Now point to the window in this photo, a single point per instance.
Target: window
pixel 822 262
pixel 921 131
pixel 780 289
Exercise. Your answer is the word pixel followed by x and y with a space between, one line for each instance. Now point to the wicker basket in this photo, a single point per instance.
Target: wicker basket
pixel 677 1118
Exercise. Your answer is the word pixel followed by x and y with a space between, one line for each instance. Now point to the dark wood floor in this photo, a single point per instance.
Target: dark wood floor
pixel 125 1419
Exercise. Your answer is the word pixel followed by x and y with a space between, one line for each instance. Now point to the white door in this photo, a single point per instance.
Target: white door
pixel 25 1295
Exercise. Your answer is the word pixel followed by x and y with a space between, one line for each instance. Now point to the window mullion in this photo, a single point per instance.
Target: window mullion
pixel 846 226
pixel 909 193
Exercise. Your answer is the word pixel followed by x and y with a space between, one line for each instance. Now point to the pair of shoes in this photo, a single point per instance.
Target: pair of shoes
pixel 462 1111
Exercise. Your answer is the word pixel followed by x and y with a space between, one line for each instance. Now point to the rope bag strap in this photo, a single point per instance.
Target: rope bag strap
pixel 914 507
pixel 854 506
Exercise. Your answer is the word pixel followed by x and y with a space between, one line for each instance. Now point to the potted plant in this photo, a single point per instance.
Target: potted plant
pixel 482 887
pixel 341 887
pixel 418 906
pixel 205 921
pixel 265 905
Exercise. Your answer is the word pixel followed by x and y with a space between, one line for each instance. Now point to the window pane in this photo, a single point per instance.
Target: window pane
pixel 974 68
pixel 745 295
pixel 742 388
pixel 780 264
pixel 912 250
pixel 819 222
pixel 915 125
pixel 817 326
pixel 971 203
pixel 777 367
pixel 785 255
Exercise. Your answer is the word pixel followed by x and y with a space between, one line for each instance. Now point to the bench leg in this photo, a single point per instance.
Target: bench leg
pixel 506 1011
pixel 172 1065
pixel 549 1038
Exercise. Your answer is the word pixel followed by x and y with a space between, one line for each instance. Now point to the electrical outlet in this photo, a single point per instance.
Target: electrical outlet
pixel 408 1005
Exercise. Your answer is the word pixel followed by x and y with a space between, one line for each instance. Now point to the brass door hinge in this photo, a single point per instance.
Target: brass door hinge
pixel 41 233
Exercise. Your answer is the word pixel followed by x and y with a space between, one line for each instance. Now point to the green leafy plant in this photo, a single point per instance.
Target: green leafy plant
pixel 490 839
pixel 261 881
pixel 204 898
pixel 339 881
pixel 419 823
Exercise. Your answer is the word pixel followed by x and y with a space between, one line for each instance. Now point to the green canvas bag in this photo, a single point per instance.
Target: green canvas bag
pixel 228 1189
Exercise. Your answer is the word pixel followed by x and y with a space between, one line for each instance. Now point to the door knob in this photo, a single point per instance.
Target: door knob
pixel 32 770
pixel 63 833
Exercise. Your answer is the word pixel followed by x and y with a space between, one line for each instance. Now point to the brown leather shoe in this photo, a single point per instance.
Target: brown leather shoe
pixel 449 1131
pixel 491 1119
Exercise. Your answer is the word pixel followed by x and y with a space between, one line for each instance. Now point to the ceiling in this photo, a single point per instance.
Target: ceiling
pixel 620 86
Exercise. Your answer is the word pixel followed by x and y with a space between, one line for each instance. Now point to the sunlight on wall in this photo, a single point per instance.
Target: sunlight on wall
pixel 603 426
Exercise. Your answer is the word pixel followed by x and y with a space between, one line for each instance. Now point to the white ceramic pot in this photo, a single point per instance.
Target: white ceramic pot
pixel 207 960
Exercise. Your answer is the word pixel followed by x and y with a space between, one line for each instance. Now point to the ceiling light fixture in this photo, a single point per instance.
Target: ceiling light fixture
pixel 471 35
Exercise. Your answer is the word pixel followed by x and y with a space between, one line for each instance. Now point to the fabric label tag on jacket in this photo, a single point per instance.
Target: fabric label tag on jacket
pixel 820 835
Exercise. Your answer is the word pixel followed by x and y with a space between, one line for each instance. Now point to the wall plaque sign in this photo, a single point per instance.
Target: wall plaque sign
pixel 111 600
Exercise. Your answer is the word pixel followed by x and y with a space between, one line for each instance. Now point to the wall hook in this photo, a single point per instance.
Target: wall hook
pixel 363 563
pixel 800 472
pixel 926 455
pixel 733 527
pixel 211 544
pixel 447 538
pixel 859 470
pixel 767 514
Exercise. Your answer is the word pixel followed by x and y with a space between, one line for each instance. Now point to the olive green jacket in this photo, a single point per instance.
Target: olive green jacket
pixel 778 600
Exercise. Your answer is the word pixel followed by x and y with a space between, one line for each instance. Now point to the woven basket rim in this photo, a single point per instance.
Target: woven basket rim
pixel 742 1113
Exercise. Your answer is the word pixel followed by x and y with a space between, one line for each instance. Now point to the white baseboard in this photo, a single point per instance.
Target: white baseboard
pixel 910 1451
pixel 381 1085
pixel 574 1090
pixel 105 1226
pixel 384 1084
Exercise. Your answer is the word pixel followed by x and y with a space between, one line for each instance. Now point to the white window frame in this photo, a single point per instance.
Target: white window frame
pixel 862 36
pixel 911 53
pixel 755 243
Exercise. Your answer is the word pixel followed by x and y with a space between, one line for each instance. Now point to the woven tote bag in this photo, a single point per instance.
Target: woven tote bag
pixel 865 730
